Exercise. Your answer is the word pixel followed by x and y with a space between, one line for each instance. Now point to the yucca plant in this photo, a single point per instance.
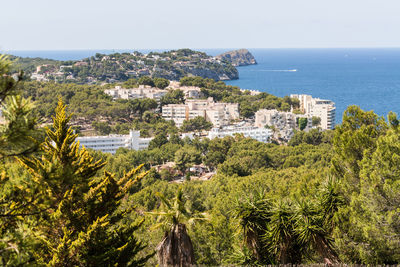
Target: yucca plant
pixel 311 231
pixel 253 213
pixel 286 231
pixel 330 201
pixel 280 236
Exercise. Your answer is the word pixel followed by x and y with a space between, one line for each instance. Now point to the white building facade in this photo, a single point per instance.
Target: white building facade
pixel 136 93
pixel 257 133
pixel 219 114
pixel 284 123
pixel 110 143
pixel 324 109
pixel 176 112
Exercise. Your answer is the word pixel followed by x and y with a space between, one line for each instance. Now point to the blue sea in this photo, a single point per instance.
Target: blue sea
pixel 369 78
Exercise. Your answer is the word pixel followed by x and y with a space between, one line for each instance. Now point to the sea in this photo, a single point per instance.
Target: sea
pixel 369 78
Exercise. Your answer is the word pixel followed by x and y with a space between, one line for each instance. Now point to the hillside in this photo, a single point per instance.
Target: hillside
pixel 120 67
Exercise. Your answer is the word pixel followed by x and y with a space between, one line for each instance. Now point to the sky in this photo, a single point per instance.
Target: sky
pixel 167 24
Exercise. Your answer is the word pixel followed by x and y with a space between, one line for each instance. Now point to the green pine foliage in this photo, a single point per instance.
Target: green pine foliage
pixel 17 132
pixel 196 124
pixel 18 136
pixel 368 225
pixel 80 221
pixel 329 197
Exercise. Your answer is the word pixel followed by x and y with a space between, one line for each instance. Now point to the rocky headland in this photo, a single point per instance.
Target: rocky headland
pixel 240 57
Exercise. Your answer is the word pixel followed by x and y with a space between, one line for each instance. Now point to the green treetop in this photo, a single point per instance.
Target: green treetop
pixel 196 124
pixel 18 136
pixel 79 224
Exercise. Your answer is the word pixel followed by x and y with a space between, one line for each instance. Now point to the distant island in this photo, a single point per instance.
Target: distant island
pixel 240 57
pixel 120 67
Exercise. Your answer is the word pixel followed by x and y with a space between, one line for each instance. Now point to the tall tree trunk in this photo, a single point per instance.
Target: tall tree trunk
pixel 176 248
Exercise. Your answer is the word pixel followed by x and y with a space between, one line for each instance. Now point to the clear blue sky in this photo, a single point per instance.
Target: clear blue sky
pixel 140 24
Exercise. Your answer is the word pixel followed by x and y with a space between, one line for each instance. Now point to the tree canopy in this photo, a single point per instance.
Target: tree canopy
pixel 196 124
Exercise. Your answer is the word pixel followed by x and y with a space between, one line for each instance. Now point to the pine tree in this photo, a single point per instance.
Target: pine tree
pixel 18 136
pixel 82 221
pixel 17 131
pixel 367 164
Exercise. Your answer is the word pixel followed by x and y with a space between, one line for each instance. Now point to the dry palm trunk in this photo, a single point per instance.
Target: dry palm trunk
pixel 326 251
pixel 176 248
pixel 253 243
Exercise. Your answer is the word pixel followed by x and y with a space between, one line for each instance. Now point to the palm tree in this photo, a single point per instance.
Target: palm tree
pixel 330 201
pixel 287 232
pixel 280 236
pixel 176 248
pixel 311 231
pixel 253 214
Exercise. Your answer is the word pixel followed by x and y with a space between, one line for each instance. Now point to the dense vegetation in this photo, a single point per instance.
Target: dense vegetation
pixel 28 65
pixel 54 211
pixel 328 196
pixel 335 195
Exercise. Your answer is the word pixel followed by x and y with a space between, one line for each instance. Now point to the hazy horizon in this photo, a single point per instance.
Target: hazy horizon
pixel 154 24
pixel 205 48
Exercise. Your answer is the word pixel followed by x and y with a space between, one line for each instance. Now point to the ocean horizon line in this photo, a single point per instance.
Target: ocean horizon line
pixel 176 48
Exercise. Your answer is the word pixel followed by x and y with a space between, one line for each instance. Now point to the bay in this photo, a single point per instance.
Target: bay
pixel 369 78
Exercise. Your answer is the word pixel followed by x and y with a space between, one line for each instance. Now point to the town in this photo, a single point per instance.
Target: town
pixel 266 126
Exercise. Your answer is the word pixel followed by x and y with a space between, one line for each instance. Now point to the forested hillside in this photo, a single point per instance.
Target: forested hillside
pixel 119 67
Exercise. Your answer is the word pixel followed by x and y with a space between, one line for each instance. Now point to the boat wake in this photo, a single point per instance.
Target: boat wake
pixel 293 70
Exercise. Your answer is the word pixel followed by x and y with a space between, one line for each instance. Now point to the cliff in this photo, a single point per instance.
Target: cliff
pixel 241 57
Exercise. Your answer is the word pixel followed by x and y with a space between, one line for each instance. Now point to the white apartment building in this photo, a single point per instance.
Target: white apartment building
pixel 136 93
pixel 283 122
pixel 193 92
pixel 219 114
pixel 39 77
pixel 259 134
pixel 325 109
pixel 110 143
pixel 273 117
pixel 176 112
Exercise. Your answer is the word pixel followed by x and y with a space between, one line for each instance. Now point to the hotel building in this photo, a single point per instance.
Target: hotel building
pixel 325 109
pixel 110 143
pixel 219 114
pixel 136 93
pixel 259 134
